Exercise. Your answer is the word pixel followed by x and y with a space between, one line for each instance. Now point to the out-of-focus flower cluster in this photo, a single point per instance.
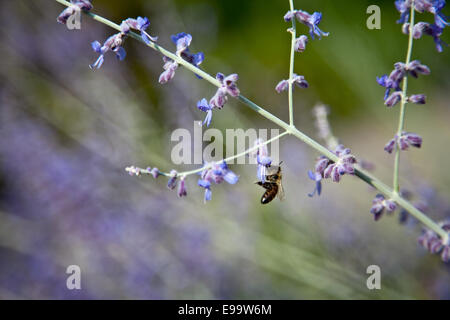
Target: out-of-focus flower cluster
pixel 435 244
pixel 77 6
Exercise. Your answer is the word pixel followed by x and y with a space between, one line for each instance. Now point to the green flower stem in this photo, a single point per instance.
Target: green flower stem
pixel 401 120
pixel 291 67
pixel 290 129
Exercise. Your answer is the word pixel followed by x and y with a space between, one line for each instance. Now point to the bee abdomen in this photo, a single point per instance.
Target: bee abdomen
pixel 269 195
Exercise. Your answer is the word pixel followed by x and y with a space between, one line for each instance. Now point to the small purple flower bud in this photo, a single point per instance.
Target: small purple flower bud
pixel 413 139
pixel 415 67
pixel 172 183
pixel 403 143
pixel 300 81
pixel 170 67
pixel 182 188
pixel 393 99
pixel 310 20
pixel 155 173
pixel 390 205
pixel 205 107
pixel 419 28
pixel 228 87
pixel 300 43
pixel 219 99
pixel 139 24
pixel 321 165
pixel 328 171
pixel 282 86
pixel 113 43
pixel 417 99
pixel 336 174
pixel 389 147
pixel 289 15
pixel 182 41
pixel 317 178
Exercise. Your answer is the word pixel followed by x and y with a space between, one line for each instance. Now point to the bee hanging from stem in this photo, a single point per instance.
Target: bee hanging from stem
pixel 272 184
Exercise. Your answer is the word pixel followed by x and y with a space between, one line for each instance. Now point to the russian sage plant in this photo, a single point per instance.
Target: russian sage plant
pixel 334 160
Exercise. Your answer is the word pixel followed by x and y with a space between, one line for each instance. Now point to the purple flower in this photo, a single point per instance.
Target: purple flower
pixel 298 80
pixel 228 87
pixel 417 98
pixel 310 20
pixel 393 99
pixel 216 172
pixel 262 159
pixel 300 43
pixel 415 68
pixel 207 186
pixel 435 244
pixel 172 183
pixel 335 170
pixel 169 70
pixel 317 178
pixel 76 6
pixel 182 41
pixel 154 172
pixel 406 140
pixel 282 85
pixel 205 107
pixel 139 24
pixel 182 188
pixel 113 43
pixel 379 204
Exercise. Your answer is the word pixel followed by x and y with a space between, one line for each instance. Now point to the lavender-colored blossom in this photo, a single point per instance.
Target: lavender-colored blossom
pixel 300 43
pixel 395 78
pixel 310 20
pixel 182 188
pixel 76 6
pixel 172 183
pixel 113 43
pixel 169 67
pixel 155 172
pixel 182 41
pixel 415 68
pixel 435 244
pixel 228 87
pixel 417 99
pixel 204 106
pixel 393 99
pixel 403 142
pixel 317 178
pixel 298 80
pixel 282 86
pixel 262 159
pixel 139 24
pixel 335 170
pixel 379 204
pixel 216 172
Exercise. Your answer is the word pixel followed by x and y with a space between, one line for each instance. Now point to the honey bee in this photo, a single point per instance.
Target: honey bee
pixel 272 184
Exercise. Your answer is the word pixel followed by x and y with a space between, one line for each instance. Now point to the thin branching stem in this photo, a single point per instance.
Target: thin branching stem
pixel 293 31
pixel 401 120
pixel 290 129
pixel 208 166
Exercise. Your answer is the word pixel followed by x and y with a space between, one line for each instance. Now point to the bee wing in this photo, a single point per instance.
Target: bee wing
pixel 280 192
